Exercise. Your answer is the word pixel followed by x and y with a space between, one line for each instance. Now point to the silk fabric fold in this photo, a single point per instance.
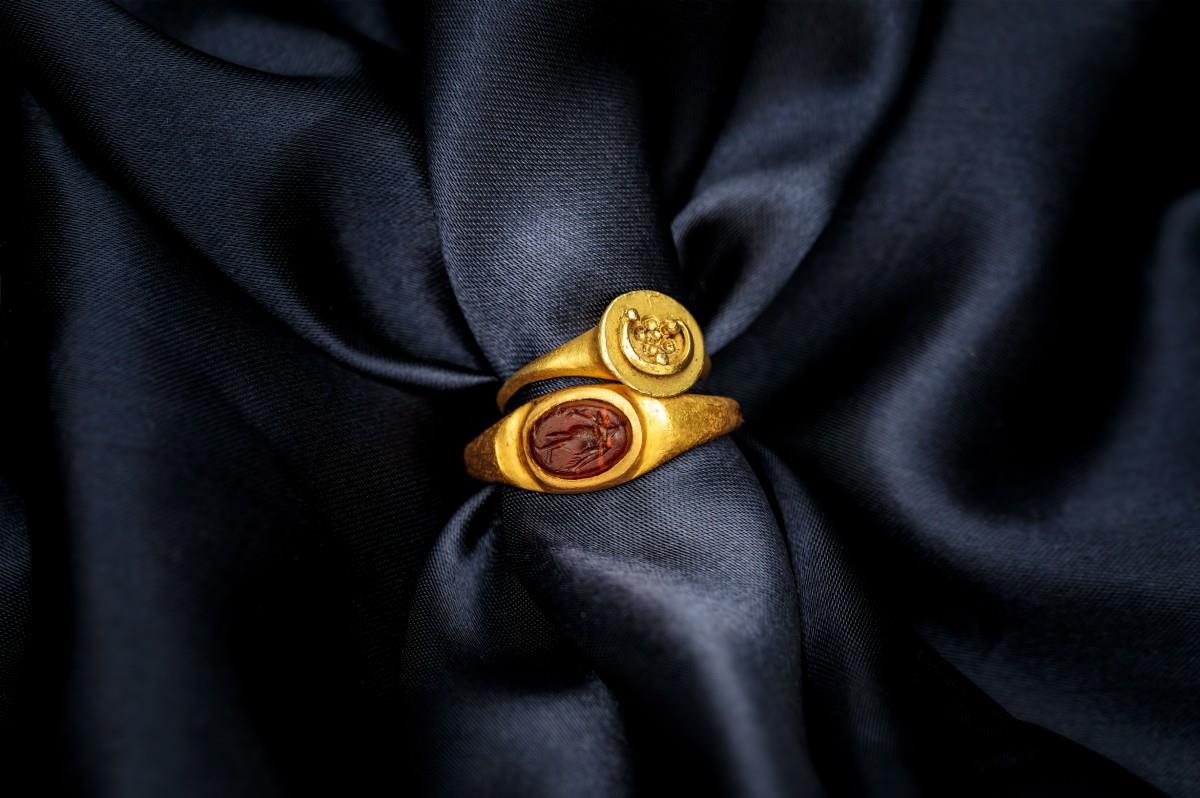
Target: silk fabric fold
pixel 265 264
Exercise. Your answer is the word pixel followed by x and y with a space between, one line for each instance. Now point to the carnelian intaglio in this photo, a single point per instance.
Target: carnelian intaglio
pixel 579 439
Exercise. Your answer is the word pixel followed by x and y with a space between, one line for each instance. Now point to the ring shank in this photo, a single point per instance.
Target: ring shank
pixel 578 357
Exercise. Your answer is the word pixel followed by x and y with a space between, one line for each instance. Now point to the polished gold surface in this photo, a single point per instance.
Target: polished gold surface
pixel 645 340
pixel 659 429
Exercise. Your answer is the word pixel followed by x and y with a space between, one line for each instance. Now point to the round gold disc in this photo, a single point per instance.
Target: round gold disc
pixel 651 343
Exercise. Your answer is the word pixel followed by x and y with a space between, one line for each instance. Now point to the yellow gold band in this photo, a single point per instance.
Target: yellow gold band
pixel 595 436
pixel 645 340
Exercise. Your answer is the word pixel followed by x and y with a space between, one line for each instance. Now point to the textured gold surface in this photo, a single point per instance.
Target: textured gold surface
pixel 631 361
pixel 654 345
pixel 661 429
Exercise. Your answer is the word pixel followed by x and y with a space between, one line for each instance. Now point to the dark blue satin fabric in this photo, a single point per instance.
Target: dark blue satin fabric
pixel 264 264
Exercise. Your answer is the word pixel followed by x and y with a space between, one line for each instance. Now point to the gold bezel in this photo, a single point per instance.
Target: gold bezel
pixel 614 396
pixel 610 332
pixel 660 428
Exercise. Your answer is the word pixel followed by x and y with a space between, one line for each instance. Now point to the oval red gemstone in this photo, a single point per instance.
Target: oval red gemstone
pixel 579 439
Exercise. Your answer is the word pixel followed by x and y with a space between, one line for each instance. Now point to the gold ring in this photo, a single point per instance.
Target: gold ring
pixel 594 436
pixel 645 340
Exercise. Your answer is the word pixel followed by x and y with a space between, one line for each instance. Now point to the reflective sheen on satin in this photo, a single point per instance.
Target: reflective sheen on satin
pixel 265 264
